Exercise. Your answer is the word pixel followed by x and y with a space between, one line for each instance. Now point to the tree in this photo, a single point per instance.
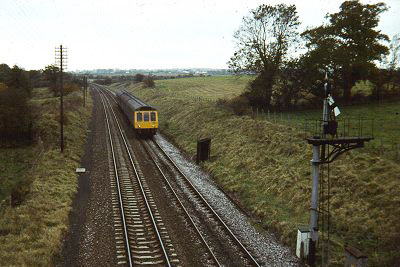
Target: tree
pixel 18 79
pixel 392 61
pixel 263 41
pixel 15 111
pixel 36 78
pixel 139 77
pixel 4 72
pixel 349 44
pixel 292 79
pixel 51 73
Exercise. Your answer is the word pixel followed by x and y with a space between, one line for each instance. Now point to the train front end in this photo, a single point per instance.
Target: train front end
pixel 146 122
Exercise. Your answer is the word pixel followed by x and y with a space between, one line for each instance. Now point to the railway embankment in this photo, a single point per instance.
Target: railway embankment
pixel 31 233
pixel 266 166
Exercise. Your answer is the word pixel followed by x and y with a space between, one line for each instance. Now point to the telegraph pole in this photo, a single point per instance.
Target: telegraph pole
pixel 84 90
pixel 61 56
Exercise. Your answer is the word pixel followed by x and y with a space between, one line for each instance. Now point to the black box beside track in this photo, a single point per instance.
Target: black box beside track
pixel 203 149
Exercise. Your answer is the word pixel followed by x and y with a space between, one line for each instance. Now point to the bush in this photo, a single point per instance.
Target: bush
pixel 48 129
pixel 148 82
pixel 70 87
pixel 139 77
pixel 239 105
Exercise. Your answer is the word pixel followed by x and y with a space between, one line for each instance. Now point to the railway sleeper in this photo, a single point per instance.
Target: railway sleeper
pixel 147 257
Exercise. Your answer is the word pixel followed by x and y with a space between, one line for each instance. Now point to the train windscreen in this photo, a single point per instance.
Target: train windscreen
pixel 139 116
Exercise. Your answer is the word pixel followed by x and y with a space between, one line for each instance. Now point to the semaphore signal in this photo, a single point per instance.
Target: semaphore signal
pixel 327 146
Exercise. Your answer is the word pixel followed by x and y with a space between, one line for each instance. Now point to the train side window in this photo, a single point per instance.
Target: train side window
pixel 153 116
pixel 146 116
pixel 138 116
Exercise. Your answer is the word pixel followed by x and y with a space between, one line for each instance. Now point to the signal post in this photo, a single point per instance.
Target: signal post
pixel 326 136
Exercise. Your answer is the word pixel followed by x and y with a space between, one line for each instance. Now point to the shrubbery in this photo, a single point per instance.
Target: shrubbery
pixel 148 82
pixel 239 105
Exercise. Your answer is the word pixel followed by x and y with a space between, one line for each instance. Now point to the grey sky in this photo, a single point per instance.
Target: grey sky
pixel 140 33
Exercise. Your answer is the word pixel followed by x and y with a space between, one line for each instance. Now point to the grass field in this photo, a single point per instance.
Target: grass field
pixel 31 233
pixel 267 166
pixel 206 88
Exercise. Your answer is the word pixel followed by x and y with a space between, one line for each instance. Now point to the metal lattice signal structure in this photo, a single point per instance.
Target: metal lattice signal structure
pixel 61 60
pixel 329 133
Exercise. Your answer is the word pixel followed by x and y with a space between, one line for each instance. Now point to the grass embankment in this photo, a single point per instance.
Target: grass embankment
pixel 31 233
pixel 267 166
pixel 14 163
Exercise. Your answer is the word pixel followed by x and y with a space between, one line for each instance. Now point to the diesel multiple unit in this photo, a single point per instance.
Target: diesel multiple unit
pixel 142 117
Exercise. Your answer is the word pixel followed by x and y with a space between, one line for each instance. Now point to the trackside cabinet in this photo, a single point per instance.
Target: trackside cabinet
pixel 203 149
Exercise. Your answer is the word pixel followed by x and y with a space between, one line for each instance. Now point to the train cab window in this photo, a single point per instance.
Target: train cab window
pixel 146 116
pixel 153 116
pixel 138 116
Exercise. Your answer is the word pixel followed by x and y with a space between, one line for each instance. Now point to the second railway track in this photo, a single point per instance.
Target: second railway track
pixel 223 245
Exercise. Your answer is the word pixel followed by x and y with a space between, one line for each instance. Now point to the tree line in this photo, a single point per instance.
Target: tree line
pixel 290 66
pixel 148 79
pixel 17 113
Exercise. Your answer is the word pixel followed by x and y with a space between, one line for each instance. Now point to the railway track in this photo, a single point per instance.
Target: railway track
pixel 206 222
pixel 177 182
pixel 140 235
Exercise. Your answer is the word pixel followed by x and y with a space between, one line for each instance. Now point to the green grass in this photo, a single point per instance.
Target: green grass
pixel 378 120
pixel 267 166
pixel 206 88
pixel 31 233
pixel 14 162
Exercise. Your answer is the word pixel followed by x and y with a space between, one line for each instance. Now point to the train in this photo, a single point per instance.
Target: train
pixel 142 117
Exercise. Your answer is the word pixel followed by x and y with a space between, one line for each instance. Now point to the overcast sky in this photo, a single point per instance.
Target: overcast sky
pixel 141 33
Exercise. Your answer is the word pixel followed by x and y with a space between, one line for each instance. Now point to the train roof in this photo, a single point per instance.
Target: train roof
pixel 133 101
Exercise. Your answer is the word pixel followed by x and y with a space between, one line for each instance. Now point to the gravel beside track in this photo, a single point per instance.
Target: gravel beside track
pixel 90 240
pixel 228 251
pixel 265 247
